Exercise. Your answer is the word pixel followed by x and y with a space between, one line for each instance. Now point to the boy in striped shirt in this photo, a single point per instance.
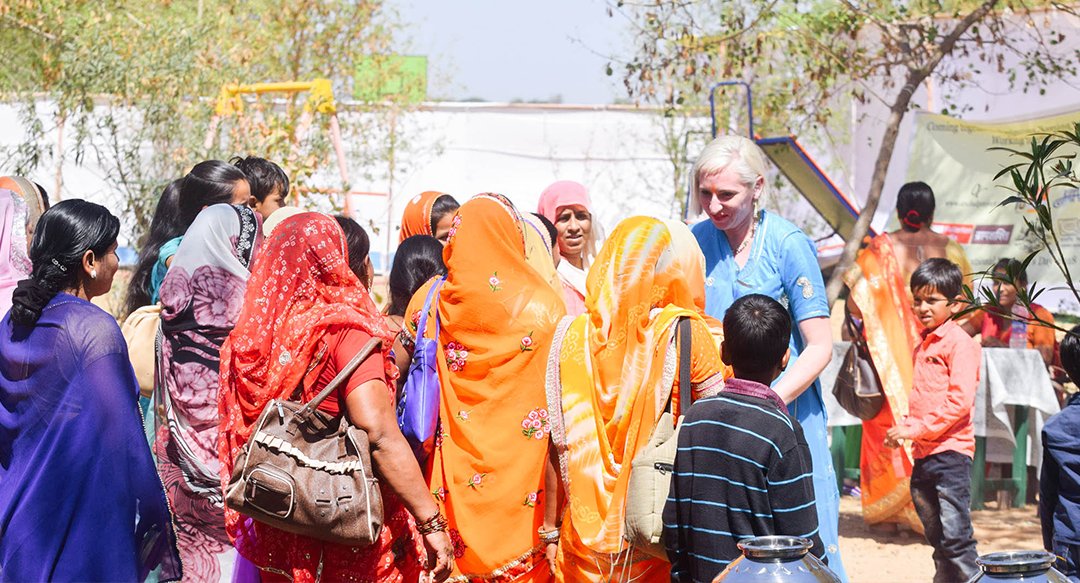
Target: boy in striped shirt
pixel 743 466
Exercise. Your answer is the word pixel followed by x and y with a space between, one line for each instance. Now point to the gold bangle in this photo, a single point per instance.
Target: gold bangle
pixel 548 536
pixel 436 523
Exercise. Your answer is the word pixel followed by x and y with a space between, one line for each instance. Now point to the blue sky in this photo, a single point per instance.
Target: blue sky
pixel 511 49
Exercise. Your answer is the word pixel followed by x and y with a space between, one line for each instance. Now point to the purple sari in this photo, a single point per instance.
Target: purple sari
pixel 79 497
pixel 201 298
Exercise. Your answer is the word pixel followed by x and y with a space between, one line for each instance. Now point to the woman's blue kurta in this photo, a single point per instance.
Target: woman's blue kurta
pixel 782 265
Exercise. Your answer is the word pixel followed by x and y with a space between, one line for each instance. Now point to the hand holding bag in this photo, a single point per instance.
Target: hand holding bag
pixel 305 472
pixel 858 388
pixel 418 403
pixel 650 472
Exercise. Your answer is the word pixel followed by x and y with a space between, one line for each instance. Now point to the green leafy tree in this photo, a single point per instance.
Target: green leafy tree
pixel 133 84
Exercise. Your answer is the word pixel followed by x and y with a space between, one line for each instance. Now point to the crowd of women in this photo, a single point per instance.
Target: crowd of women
pixel 555 349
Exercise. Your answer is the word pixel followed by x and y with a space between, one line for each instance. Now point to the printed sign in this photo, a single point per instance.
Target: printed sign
pixel 992 235
pixel 955 159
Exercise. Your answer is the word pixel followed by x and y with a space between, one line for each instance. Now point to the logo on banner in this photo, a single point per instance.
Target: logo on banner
pixel 992 235
pixel 1068 229
pixel 958 232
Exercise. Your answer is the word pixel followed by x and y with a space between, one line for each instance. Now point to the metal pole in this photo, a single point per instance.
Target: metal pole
pixel 749 106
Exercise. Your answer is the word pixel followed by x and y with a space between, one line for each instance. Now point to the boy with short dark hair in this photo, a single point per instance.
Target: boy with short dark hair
pixel 743 466
pixel 269 184
pixel 942 399
pixel 1059 484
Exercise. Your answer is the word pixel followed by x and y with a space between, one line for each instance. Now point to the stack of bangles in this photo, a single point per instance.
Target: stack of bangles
pixel 548 537
pixel 436 523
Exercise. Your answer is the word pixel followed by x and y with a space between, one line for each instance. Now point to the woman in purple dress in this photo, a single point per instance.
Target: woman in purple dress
pixel 79 497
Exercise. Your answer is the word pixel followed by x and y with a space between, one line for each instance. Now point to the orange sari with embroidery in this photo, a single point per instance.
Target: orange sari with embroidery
pixel 879 288
pixel 609 383
pixel 498 315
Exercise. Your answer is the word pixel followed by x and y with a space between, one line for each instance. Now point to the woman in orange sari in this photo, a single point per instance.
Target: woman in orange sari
pixel 879 294
pixel 497 315
pixel 428 213
pixel 608 387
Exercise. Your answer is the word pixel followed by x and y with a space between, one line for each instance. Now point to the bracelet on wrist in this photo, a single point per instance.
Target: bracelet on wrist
pixel 436 523
pixel 548 536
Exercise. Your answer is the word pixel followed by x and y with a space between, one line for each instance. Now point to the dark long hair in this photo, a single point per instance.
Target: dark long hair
pixel 358 244
pixel 64 233
pixel 418 259
pixel 164 226
pixel 442 206
pixel 209 183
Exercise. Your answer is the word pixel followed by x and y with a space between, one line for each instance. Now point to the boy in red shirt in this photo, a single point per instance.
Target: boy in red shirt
pixel 939 423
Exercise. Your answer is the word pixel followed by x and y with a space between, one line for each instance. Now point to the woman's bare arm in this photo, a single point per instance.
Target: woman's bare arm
pixel 817 334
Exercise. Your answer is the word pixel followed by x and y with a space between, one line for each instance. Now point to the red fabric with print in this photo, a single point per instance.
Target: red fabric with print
pixel 301 291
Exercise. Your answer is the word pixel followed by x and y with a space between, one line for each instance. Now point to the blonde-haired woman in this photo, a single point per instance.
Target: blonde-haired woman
pixel 750 250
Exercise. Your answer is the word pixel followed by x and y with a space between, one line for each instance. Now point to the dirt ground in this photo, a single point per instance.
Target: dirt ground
pixel 872 556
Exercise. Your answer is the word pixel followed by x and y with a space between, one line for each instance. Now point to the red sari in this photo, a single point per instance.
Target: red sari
pixel 301 289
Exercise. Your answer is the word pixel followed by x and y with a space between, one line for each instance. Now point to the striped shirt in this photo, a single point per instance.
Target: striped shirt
pixel 742 470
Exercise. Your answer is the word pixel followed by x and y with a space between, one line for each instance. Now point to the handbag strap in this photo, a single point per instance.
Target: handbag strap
pixel 683 329
pixel 422 324
pixel 341 377
pixel 856 332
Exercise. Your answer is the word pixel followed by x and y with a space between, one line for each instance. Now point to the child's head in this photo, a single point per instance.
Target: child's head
pixel 757 330
pixel 269 184
pixel 935 289
pixel 1070 354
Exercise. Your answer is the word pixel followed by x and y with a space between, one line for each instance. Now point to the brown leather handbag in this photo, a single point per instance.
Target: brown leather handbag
pixel 858 388
pixel 306 472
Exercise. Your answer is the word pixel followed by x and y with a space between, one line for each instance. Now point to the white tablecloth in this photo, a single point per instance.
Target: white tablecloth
pixel 1012 377
pixel 1008 377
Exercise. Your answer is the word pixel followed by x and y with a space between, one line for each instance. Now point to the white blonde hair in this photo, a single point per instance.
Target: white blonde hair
pixel 741 154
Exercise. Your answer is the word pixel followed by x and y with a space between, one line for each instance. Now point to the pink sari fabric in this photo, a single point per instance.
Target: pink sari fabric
pixel 201 299
pixel 14 263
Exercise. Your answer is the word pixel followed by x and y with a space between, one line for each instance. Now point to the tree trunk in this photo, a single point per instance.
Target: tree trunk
pixel 877 184
pixel 888 144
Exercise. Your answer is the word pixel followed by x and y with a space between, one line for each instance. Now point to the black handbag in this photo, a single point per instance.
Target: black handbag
pixel 858 387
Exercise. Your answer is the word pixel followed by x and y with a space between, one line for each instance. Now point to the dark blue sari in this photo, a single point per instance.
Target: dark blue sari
pixel 80 499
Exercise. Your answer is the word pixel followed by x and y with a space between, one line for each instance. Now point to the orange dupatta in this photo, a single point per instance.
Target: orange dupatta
pixel 498 315
pixel 879 288
pixel 613 366
pixel 416 219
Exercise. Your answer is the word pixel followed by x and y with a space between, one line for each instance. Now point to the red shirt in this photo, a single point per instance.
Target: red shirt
pixel 341 346
pixel 943 389
pixel 997 326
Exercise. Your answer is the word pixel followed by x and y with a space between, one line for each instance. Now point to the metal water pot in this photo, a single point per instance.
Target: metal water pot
pixel 777 559
pixel 1032 566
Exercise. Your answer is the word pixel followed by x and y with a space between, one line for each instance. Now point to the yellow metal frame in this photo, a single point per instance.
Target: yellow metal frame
pixel 320 98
